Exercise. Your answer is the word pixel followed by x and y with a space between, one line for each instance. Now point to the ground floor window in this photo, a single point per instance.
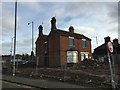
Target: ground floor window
pixel 84 55
pixel 72 56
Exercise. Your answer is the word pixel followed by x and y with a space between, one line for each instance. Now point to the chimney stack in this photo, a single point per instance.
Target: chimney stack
pixel 115 41
pixel 71 29
pixel 53 24
pixel 40 28
pixel 107 39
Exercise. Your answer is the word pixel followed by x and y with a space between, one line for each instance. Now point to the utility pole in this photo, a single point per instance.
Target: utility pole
pixel 15 38
pixel 96 41
pixel 11 48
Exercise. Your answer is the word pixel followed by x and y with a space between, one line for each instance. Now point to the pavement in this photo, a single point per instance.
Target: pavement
pixel 38 83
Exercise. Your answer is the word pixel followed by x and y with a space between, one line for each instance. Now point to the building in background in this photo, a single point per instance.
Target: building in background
pixel 61 47
pixel 100 53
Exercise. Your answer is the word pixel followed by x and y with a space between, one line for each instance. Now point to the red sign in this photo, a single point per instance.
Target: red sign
pixel 110 47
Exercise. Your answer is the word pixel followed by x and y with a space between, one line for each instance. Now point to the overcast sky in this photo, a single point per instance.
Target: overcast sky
pixel 89 18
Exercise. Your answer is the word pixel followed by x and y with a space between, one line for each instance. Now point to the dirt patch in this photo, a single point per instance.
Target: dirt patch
pixel 87 73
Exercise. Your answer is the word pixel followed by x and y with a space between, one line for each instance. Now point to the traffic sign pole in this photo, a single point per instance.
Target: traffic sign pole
pixel 110 50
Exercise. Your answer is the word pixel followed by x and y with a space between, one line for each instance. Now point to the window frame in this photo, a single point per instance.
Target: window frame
pixel 45 47
pixel 72 56
pixel 84 43
pixel 71 41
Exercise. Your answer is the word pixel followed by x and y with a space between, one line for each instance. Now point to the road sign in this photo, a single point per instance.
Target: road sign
pixel 110 47
pixel 110 50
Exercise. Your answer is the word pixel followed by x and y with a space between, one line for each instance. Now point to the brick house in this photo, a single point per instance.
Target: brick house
pixel 100 53
pixel 61 46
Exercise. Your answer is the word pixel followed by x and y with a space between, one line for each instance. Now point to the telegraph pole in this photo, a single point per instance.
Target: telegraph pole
pixel 15 37
pixel 11 48
pixel 96 41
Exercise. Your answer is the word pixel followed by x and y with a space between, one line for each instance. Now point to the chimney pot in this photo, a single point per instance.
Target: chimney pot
pixel 40 28
pixel 107 39
pixel 53 24
pixel 115 41
pixel 71 29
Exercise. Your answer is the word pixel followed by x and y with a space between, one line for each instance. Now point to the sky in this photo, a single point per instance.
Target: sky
pixel 93 19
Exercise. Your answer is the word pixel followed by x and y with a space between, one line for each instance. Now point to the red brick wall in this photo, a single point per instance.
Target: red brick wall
pixel 63 47
pixel 40 50
pixel 54 48
pixel 88 48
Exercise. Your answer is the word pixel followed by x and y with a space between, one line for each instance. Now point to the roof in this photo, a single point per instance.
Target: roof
pixel 66 33
pixel 44 36
pixel 102 49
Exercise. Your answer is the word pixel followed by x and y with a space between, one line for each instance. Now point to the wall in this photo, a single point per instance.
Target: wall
pixel 63 47
pixel 54 49
pixel 40 50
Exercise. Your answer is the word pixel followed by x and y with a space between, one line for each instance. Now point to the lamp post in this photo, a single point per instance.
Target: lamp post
pixel 32 53
pixel 32 37
pixel 15 38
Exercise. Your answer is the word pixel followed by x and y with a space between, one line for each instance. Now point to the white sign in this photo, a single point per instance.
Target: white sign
pixel 110 47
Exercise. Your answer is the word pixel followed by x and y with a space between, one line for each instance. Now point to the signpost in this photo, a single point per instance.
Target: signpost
pixel 110 50
pixel 110 47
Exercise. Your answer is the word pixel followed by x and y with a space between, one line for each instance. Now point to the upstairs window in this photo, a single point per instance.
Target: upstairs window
pixel 71 41
pixel 45 44
pixel 84 43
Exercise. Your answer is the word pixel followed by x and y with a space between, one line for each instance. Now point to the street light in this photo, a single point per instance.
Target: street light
pixel 15 38
pixel 32 53
pixel 32 37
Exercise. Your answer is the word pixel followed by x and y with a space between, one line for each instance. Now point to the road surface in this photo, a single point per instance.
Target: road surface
pixel 10 86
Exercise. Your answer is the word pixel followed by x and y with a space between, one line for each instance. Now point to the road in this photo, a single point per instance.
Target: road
pixel 14 86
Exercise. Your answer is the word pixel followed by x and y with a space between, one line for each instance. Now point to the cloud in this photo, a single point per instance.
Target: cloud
pixel 6 47
pixel 113 12
pixel 8 24
pixel 67 19
pixel 32 6
pixel 26 44
pixel 107 11
pixel 85 30
pixel 113 28
pixel 8 19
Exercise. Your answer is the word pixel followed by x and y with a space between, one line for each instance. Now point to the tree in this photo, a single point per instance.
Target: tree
pixel 18 56
pixel 23 57
pixel 26 57
pixel 32 55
